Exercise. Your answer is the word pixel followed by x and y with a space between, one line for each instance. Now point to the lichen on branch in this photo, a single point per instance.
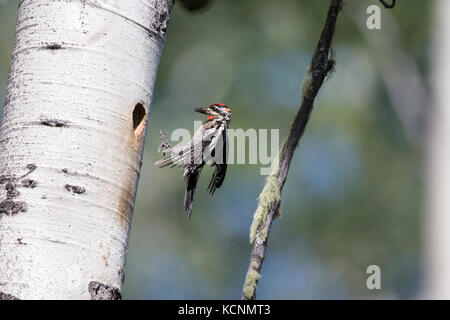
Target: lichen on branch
pixel 270 196
pixel 251 282
pixel 322 63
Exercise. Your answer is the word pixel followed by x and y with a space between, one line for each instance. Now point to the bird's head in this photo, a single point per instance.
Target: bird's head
pixel 218 111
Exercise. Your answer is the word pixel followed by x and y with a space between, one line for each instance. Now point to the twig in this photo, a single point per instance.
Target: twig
pixel 387 5
pixel 195 5
pixel 269 200
pixel 404 83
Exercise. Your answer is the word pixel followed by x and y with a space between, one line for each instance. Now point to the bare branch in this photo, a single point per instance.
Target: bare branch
pixel 387 5
pixel 269 200
pixel 195 5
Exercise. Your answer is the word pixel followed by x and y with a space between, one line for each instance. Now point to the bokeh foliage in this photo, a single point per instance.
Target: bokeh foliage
pixel 354 194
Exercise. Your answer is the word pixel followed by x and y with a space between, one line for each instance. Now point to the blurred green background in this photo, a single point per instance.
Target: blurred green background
pixel 354 192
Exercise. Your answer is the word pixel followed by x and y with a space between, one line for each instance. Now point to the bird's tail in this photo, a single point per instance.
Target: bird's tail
pixel 191 181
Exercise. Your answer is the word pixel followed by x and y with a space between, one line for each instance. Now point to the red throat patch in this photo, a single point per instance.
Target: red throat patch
pixel 210 117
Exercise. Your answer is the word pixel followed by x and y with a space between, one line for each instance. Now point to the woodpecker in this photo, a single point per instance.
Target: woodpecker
pixel 208 146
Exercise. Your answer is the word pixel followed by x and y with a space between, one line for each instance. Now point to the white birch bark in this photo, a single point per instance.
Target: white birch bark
pixel 71 143
pixel 437 219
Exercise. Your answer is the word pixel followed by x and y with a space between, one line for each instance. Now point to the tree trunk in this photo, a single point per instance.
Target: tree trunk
pixel 71 143
pixel 437 232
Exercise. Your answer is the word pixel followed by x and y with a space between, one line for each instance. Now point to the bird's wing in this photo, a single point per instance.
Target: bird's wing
pixel 217 178
pixel 190 153
pixel 220 168
pixel 180 156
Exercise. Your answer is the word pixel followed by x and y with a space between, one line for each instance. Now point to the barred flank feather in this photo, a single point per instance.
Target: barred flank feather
pixel 221 168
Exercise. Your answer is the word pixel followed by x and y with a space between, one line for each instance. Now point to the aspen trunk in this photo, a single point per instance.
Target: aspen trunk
pixel 71 143
pixel 437 232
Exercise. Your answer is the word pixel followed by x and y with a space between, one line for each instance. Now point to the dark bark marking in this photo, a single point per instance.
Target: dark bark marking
pixel 10 207
pixel 29 183
pixel 75 189
pixel 100 291
pixel 161 18
pixel 31 166
pixel 54 123
pixel 11 185
pixel 6 296
pixel 11 191
pixel 56 241
pixel 5 179
pixel 53 46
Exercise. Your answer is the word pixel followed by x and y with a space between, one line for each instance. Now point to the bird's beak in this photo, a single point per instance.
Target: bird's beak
pixel 201 110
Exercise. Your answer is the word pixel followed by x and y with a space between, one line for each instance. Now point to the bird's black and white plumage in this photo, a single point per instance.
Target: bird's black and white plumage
pixel 208 146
